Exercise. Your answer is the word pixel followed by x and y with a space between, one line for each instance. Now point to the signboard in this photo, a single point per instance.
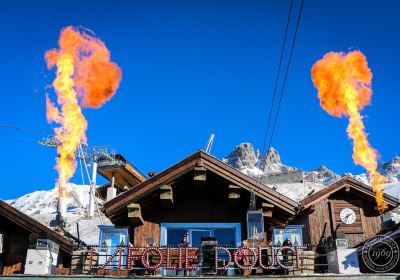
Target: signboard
pixel 153 258
pixel 292 233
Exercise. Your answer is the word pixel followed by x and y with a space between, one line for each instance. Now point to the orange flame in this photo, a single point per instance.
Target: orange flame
pixel 85 76
pixel 344 89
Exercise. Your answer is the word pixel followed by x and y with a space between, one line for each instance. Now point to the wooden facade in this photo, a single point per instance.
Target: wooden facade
pixel 20 233
pixel 320 212
pixel 199 189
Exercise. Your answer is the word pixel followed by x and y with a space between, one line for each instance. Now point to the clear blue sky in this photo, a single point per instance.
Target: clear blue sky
pixel 191 68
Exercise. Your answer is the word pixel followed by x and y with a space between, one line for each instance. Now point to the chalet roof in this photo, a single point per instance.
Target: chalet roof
pixel 198 159
pixel 31 225
pixel 345 181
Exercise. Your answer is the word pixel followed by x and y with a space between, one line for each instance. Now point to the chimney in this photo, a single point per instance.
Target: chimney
pixel 111 191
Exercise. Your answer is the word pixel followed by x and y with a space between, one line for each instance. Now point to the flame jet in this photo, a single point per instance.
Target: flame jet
pixel 344 89
pixel 86 77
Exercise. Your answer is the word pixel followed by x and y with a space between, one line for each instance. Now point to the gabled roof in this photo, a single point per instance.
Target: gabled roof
pixel 199 159
pixel 345 181
pixel 31 225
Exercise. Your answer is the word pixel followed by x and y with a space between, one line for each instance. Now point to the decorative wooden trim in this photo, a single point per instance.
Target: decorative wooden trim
pixel 234 193
pixel 267 209
pixel 135 214
pixel 200 174
pixel 167 196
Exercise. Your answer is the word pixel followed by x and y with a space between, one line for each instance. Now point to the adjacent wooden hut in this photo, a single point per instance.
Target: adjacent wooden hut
pixel 348 206
pixel 19 232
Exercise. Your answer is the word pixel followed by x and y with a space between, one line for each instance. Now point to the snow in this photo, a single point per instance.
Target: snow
pixel 297 191
pixel 42 206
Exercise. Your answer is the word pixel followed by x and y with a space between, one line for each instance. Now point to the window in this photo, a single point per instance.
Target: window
pixel 226 233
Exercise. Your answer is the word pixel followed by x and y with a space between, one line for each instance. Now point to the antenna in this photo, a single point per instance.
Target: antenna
pixel 210 142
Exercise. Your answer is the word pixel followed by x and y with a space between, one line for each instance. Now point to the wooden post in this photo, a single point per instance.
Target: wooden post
pixel 166 197
pixel 135 214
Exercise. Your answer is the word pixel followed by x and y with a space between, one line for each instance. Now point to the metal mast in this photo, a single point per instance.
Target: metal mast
pixel 89 155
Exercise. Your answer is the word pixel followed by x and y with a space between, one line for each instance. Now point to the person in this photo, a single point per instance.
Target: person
pixel 285 253
pixel 184 241
pixel 183 244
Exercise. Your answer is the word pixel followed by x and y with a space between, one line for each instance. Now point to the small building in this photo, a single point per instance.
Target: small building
pixel 18 233
pixel 320 213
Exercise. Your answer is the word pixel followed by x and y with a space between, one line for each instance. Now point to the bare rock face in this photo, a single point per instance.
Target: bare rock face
pixel 322 175
pixel 242 156
pixel 391 169
pixel 271 161
pixel 253 164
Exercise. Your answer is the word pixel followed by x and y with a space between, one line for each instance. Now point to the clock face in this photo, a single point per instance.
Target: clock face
pixel 347 216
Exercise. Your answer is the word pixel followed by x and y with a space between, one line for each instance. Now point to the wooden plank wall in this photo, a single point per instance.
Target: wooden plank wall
pixel 319 222
pixel 16 245
pixel 321 217
pixel 148 229
pixel 192 205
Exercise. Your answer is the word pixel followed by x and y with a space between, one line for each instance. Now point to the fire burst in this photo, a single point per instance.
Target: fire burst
pixel 85 77
pixel 344 89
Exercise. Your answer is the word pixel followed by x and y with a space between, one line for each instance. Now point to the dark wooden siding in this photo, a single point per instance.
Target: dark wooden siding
pixel 204 204
pixel 15 247
pixel 322 222
pixel 319 222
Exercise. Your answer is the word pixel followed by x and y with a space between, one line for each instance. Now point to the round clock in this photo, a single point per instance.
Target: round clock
pixel 347 216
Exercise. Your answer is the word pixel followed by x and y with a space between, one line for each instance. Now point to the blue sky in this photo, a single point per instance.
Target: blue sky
pixel 192 68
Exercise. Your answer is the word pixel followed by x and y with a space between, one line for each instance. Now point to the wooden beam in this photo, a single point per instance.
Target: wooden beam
pixel 167 196
pixel 347 188
pixel 234 195
pixel 199 176
pixel 234 192
pixel 275 222
pixel 267 209
pixel 135 214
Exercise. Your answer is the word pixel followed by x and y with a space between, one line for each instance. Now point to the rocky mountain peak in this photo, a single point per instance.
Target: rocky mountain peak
pixel 242 156
pixel 272 157
pixel 391 169
pixel 322 168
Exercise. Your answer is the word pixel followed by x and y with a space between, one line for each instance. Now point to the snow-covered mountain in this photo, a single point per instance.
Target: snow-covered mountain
pixel 42 206
pixel 245 159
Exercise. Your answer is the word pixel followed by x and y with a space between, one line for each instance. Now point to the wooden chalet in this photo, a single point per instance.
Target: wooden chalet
pixel 203 197
pixel 320 212
pixel 19 233
pixel 200 195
